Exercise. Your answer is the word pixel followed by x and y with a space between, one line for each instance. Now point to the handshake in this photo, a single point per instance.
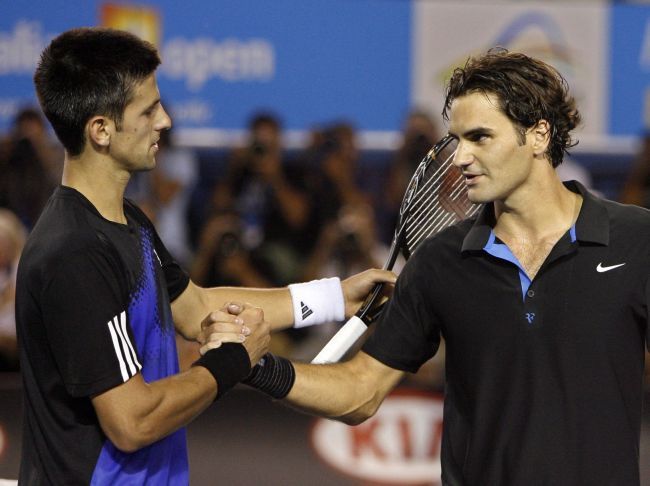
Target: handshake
pixel 232 340
pixel 236 323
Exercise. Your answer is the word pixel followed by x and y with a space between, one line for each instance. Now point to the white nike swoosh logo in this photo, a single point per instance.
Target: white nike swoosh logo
pixel 602 269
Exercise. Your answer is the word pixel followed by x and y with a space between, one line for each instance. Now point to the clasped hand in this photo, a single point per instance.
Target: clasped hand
pixel 236 323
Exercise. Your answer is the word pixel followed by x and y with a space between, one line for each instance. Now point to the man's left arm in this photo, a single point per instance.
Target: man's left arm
pixel 325 299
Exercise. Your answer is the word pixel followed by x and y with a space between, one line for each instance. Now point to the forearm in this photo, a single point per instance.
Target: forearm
pixel 277 304
pixel 190 308
pixel 175 401
pixel 332 391
pixel 137 414
pixel 349 392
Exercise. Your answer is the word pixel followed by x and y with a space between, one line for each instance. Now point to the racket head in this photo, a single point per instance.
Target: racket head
pixel 436 197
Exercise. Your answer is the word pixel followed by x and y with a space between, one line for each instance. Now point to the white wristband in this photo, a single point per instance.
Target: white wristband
pixel 317 302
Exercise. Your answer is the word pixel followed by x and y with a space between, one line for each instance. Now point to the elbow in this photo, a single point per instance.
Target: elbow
pixel 361 413
pixel 354 419
pixel 132 437
pixel 357 417
pixel 126 444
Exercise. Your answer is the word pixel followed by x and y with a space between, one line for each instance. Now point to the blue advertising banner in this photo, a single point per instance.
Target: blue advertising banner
pixel 309 61
pixel 629 70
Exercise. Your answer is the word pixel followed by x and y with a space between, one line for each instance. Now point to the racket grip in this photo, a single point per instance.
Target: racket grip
pixel 343 340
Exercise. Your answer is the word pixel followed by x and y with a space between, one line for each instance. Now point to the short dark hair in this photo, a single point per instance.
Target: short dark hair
pixel 263 118
pixel 528 90
pixel 90 71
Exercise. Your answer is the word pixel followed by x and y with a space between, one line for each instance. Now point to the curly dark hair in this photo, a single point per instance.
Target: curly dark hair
pixel 90 71
pixel 528 90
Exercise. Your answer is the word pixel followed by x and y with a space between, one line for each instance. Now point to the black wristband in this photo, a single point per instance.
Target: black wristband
pixel 229 364
pixel 272 375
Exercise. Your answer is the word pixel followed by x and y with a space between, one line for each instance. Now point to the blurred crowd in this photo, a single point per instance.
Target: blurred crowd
pixel 269 217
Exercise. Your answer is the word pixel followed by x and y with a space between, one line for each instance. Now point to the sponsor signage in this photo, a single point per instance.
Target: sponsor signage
pixel 311 61
pixel 573 37
pixel 399 445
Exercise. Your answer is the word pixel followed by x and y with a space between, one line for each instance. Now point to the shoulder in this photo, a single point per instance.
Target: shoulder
pixel 449 240
pixel 627 218
pixel 626 212
pixel 62 236
pixel 439 252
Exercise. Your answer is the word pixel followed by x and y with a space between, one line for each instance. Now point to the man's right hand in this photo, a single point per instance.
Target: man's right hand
pixel 237 322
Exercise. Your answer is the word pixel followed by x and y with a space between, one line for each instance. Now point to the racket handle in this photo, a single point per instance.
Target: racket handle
pixel 343 340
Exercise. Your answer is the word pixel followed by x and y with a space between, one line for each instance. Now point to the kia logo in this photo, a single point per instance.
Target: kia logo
pixel 400 444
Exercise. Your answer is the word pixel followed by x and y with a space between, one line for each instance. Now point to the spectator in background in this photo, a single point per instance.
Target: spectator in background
pixel 636 189
pixel 170 187
pixel 262 190
pixel 221 258
pixel 346 244
pixel 12 239
pixel 419 134
pixel 31 164
pixel 332 178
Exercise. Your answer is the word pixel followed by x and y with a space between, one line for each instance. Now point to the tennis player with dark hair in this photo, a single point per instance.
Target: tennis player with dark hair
pixel 99 298
pixel 542 299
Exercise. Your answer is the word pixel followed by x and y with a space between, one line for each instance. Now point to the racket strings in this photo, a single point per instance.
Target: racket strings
pixel 440 202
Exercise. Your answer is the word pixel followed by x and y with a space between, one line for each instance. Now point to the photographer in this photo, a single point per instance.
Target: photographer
pixel 420 133
pixel 346 244
pixel 222 259
pixel 273 212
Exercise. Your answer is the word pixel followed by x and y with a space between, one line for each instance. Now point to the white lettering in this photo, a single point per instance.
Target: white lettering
pixel 21 48
pixel 199 60
pixel 193 111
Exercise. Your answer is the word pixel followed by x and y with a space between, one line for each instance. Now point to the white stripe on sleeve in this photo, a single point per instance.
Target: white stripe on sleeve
pixel 128 341
pixel 118 351
pixel 123 340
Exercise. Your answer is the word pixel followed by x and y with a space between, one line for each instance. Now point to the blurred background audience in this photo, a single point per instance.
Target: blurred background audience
pixel 636 189
pixel 12 239
pixel 31 164
pixel 263 215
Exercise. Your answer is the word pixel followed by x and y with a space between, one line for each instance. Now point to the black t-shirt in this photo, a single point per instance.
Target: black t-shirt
pixel 92 310
pixel 554 400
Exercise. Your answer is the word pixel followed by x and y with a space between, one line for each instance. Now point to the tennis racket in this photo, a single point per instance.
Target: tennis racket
pixel 435 198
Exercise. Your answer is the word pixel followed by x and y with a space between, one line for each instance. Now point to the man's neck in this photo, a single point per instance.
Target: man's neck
pixel 99 181
pixel 538 212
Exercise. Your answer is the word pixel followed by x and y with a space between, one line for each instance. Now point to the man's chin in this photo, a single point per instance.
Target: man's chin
pixel 150 165
pixel 476 197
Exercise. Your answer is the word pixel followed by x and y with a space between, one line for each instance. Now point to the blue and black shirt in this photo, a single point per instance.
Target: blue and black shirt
pixel 93 309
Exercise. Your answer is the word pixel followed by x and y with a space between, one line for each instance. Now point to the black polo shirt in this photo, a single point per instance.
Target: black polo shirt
pixel 545 377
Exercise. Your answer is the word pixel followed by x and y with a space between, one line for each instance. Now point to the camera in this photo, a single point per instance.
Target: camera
pixel 229 244
pixel 259 149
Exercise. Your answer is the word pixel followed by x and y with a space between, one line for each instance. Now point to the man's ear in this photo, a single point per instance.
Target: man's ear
pixel 99 130
pixel 541 134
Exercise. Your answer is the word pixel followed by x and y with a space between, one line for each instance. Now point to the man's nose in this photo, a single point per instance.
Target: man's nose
pixel 462 156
